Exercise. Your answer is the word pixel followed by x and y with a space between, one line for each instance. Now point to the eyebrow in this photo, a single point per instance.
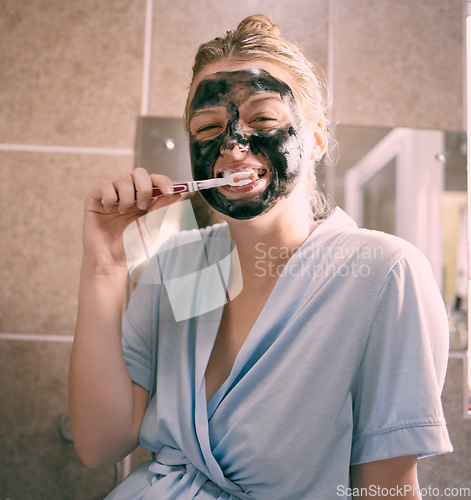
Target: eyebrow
pixel 260 98
pixel 253 99
pixel 214 110
pixel 264 95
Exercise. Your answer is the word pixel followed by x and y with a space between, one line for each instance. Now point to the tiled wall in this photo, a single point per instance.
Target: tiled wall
pixel 399 63
pixel 71 84
pixel 73 80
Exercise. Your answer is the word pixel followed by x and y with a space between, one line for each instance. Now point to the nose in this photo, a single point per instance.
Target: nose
pixel 234 139
pixel 236 152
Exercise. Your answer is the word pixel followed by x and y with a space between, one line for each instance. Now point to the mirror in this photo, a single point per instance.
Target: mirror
pixel 407 182
pixel 413 183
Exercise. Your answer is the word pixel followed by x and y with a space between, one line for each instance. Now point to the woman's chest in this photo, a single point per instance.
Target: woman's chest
pixel 237 321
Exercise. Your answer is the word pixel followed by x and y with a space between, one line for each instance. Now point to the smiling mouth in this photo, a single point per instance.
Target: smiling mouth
pixel 259 175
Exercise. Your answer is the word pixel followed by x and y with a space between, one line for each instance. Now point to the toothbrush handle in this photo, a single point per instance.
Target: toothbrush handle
pixel 192 186
pixel 184 187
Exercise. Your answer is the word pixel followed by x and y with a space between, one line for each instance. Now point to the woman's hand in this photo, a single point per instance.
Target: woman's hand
pixel 111 206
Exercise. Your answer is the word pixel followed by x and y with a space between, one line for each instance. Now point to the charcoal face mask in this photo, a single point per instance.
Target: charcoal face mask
pixel 282 147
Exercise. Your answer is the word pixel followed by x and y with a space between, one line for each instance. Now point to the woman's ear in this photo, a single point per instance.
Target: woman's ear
pixel 320 142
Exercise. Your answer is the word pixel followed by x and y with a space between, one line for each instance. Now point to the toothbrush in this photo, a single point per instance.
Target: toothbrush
pixel 234 179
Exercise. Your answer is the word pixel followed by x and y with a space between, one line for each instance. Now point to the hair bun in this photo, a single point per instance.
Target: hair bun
pixel 258 23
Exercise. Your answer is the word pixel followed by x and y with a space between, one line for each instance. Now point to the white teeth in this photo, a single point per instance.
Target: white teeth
pixel 229 171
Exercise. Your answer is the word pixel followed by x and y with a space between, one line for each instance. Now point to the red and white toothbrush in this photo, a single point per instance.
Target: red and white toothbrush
pixel 234 179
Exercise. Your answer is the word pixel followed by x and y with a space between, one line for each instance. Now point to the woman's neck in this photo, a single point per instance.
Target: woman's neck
pixel 270 239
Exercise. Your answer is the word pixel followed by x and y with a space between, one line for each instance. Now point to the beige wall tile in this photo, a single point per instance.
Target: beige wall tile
pixel 399 63
pixel 71 71
pixel 41 200
pixel 181 26
pixel 35 462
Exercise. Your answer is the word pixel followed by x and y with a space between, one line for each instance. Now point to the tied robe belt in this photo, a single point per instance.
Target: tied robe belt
pixel 182 475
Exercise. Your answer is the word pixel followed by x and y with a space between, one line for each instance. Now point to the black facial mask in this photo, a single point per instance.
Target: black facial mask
pixel 282 147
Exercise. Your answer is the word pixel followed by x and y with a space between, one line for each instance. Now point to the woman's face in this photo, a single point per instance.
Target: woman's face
pixel 245 118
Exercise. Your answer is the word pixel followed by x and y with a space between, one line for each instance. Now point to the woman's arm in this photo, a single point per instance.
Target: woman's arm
pixel 388 479
pixel 106 408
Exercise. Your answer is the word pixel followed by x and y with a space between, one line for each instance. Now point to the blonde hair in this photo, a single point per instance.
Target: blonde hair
pixel 256 37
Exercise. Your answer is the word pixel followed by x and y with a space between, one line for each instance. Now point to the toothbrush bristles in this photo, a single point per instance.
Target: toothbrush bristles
pixel 252 176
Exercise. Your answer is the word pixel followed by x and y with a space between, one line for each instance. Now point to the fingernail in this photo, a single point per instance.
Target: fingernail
pixel 167 189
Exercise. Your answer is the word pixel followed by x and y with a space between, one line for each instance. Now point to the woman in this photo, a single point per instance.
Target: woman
pixel 321 377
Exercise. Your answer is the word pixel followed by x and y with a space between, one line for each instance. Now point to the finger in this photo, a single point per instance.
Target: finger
pixel 164 183
pixel 107 195
pixel 125 189
pixel 143 187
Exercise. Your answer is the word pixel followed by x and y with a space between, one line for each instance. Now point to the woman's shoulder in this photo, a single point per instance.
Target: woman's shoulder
pixel 340 225
pixel 340 236
pixel 389 245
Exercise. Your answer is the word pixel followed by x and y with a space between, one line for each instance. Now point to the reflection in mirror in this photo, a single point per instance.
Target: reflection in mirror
pixel 455 238
pixel 379 200
pixel 397 187
pixel 412 183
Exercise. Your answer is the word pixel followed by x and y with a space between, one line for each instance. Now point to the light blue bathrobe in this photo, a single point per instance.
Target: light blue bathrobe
pixel 344 365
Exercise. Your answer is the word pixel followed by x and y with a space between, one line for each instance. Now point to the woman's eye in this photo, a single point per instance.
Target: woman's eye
pixel 207 131
pixel 206 128
pixel 263 120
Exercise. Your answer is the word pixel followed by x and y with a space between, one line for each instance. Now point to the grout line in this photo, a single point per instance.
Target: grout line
pixel 37 337
pixel 29 148
pixel 147 58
